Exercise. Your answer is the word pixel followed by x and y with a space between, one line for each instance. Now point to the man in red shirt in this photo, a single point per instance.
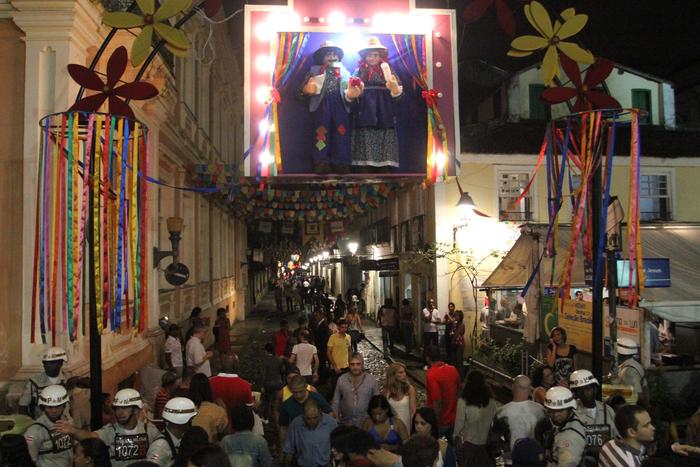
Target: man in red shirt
pixel 442 384
pixel 228 386
pixel 281 339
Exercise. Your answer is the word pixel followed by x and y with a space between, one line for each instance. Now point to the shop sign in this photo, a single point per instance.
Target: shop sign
pixel 657 272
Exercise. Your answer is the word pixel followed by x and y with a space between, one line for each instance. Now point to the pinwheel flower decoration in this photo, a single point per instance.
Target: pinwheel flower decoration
pixel 587 98
pixel 152 20
pixel 551 38
pixel 116 65
pixel 504 14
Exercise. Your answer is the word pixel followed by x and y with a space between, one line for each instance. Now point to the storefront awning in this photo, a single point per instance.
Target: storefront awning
pixel 679 243
pixel 516 267
pixel 679 303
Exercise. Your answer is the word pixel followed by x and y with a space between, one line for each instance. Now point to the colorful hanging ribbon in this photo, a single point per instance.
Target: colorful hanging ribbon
pixel 83 158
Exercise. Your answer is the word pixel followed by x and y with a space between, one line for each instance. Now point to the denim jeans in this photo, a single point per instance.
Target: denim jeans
pixel 388 333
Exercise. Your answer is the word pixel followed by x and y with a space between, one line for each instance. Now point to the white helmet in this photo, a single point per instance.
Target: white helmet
pixel 179 410
pixel 54 354
pixel 559 398
pixel 626 346
pixel 581 378
pixel 127 398
pixel 53 396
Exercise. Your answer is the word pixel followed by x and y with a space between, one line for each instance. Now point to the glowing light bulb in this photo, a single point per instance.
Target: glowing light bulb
pixel 263 31
pixel 262 94
pixel 336 19
pixel 263 63
pixel 440 159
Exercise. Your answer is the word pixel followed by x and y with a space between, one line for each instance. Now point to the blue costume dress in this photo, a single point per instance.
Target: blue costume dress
pixel 374 139
pixel 330 114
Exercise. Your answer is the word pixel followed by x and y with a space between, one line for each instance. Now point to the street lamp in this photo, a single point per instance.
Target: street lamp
pixel 352 247
pixel 174 225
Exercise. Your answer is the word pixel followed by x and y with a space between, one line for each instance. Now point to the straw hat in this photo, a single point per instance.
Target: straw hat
pixel 373 43
pixel 324 48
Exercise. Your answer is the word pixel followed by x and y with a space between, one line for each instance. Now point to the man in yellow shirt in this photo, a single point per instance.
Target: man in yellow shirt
pixel 339 349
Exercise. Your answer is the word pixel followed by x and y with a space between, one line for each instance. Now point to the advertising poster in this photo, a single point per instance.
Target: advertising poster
pixel 577 318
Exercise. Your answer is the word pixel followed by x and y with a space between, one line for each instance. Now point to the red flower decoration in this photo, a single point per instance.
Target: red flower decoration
pixel 116 65
pixel 211 7
pixel 587 98
pixel 504 14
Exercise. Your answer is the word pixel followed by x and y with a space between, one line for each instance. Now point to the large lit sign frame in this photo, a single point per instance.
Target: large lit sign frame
pixel 352 21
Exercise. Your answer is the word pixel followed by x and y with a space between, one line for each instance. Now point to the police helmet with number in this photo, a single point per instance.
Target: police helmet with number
pixel 559 398
pixel 179 410
pixel 626 346
pixel 581 378
pixel 127 398
pixel 54 354
pixel 53 396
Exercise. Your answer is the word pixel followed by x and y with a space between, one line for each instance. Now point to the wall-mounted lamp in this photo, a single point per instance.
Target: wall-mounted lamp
pixel 174 225
pixel 336 250
pixel 352 247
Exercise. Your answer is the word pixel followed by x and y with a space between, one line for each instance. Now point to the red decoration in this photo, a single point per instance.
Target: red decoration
pixel 587 98
pixel 354 81
pixel 275 94
pixel 116 65
pixel 476 9
pixel 430 97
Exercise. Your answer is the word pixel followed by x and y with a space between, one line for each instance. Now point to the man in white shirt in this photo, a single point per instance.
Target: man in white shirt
pixel 173 350
pixel 197 356
pixel 305 356
pixel 431 318
pixel 521 414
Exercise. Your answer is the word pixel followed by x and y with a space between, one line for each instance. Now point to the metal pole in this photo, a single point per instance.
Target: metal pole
pixel 95 337
pixel 597 338
pixel 612 307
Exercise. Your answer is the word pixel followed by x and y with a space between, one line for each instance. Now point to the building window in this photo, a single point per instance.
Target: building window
pixel 641 99
pixel 510 187
pixel 536 105
pixel 655 197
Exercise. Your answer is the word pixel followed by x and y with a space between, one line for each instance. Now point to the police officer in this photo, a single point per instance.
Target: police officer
pixel 178 414
pixel 565 443
pixel 48 446
pixel 630 371
pixel 52 360
pixel 128 439
pixel 598 419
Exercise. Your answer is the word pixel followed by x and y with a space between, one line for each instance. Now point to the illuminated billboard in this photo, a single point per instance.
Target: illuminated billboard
pixel 350 88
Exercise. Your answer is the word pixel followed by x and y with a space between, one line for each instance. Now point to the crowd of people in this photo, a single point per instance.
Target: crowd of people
pixel 319 406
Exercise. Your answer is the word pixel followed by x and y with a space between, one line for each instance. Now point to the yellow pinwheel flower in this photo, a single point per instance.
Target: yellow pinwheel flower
pixel 551 38
pixel 175 40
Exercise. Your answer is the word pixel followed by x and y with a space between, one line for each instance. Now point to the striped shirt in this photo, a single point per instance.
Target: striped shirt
pixel 617 453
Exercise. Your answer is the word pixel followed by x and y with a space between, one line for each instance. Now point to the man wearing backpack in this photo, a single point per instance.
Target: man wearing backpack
pixel 566 441
pixel 128 440
pixel 631 372
pixel 178 414
pixel 52 360
pixel 49 447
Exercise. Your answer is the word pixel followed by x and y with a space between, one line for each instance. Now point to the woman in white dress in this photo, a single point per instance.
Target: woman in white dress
pixel 400 392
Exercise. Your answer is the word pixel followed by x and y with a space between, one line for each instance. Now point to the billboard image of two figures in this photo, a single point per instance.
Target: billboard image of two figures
pixel 353 108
